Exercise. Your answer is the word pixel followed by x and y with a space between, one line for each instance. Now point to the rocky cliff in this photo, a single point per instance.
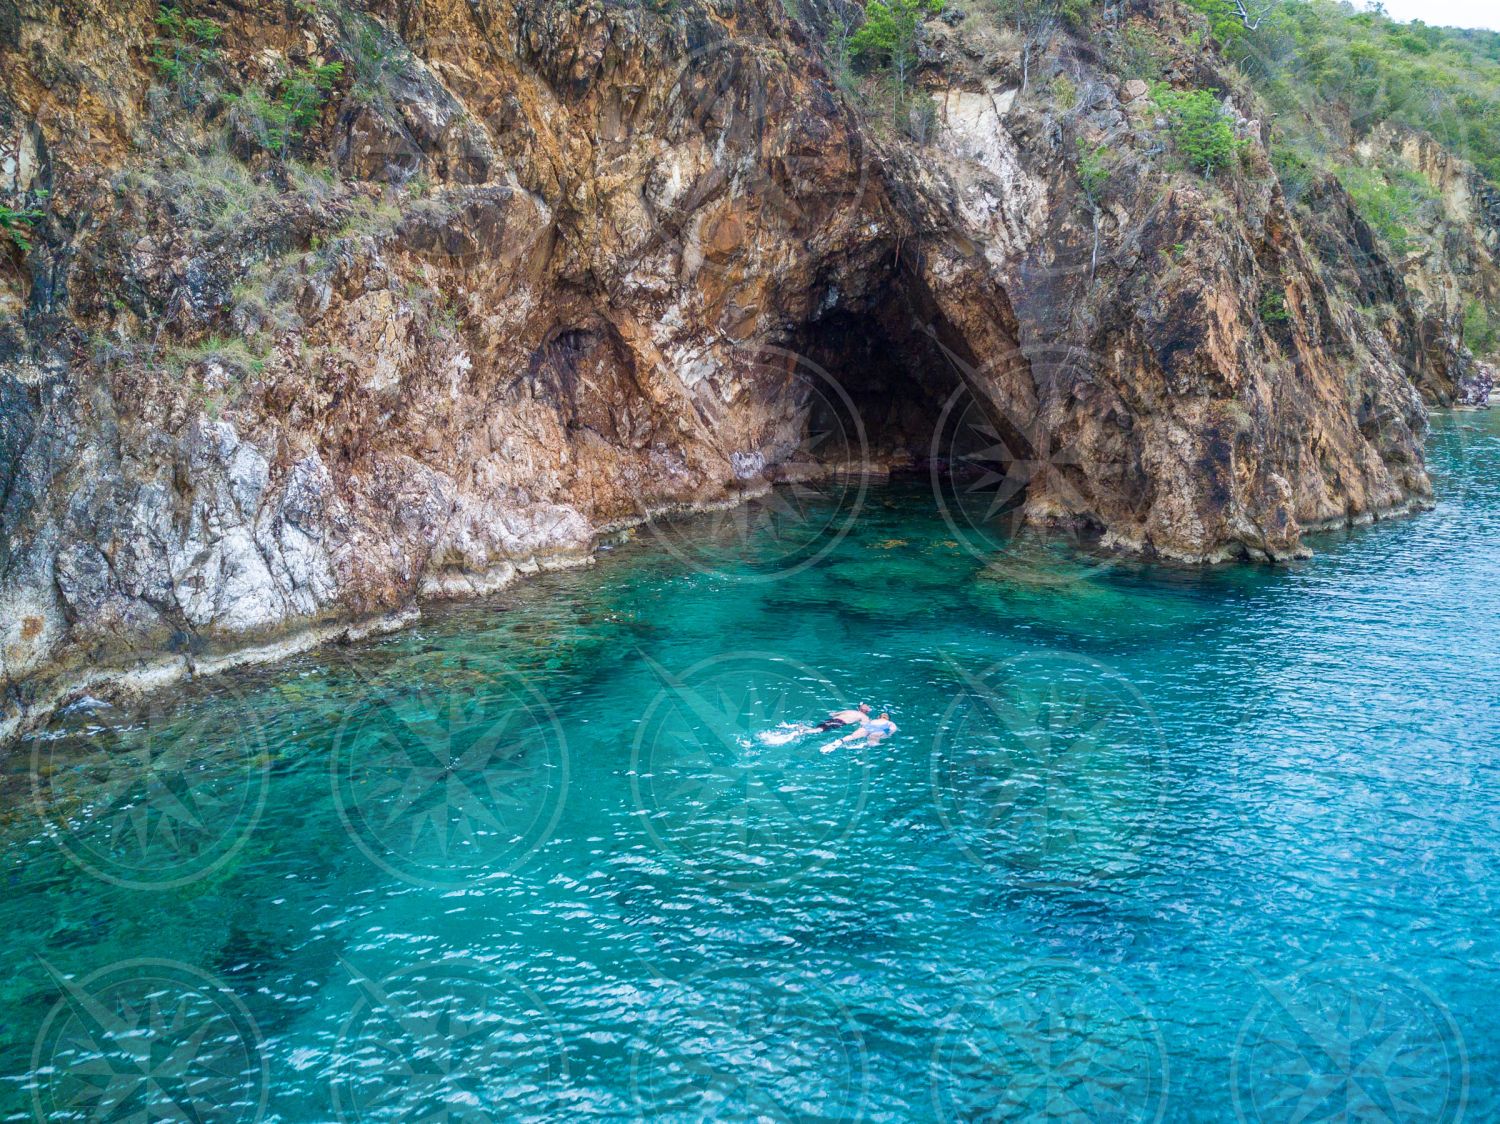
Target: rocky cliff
pixel 1417 292
pixel 341 306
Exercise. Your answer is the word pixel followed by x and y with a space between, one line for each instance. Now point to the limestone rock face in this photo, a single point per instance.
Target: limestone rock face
pixel 543 267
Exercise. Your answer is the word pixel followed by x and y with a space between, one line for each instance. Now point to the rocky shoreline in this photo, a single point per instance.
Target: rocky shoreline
pixel 1474 392
pixel 156 672
pixel 535 270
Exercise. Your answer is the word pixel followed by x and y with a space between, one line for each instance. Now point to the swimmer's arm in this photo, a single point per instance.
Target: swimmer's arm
pixel 847 739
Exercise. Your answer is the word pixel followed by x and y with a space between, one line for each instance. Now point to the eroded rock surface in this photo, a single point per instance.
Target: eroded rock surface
pixel 542 268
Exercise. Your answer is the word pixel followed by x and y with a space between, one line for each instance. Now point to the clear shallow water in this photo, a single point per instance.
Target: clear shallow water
pixel 1149 844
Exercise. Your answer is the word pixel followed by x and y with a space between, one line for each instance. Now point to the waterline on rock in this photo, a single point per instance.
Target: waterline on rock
pixel 1149 841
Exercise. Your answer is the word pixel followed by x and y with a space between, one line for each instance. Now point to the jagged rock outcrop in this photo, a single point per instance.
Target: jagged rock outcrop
pixel 1451 260
pixel 542 268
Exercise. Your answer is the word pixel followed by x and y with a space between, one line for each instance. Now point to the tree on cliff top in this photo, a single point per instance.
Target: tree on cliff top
pixel 1322 66
pixel 1232 21
pixel 891 32
pixel 1199 128
pixel 1038 21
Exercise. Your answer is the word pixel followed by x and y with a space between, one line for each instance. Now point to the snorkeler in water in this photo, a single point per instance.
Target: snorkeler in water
pixel 837 718
pixel 872 731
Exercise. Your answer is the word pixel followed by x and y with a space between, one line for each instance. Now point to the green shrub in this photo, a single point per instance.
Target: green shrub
pixel 1318 61
pixel 1390 201
pixel 843 21
pixel 16 222
pixel 1481 330
pixel 890 34
pixel 1294 169
pixel 283 119
pixel 304 91
pixel 1094 173
pixel 1272 307
pixel 375 58
pixel 1075 13
pixel 1230 24
pixel 1200 130
pixel 1064 92
pixel 1142 55
pixel 184 50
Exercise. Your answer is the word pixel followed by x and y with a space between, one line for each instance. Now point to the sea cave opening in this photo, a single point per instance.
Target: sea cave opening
pixel 896 390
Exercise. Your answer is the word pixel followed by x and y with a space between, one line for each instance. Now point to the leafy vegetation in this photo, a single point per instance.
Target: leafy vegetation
pixel 184 50
pixel 1037 21
pixel 282 119
pixel 16 222
pixel 1329 73
pixel 1272 307
pixel 304 91
pixel 1094 174
pixel 1141 54
pixel 1481 329
pixel 844 17
pixel 890 34
pixel 1093 170
pixel 1319 61
pixel 1232 21
pixel 187 47
pixel 1293 169
pixel 1200 130
pixel 1390 200
pixel 1064 92
pixel 375 58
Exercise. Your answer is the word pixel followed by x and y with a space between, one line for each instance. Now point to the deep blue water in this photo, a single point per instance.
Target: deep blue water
pixel 1148 844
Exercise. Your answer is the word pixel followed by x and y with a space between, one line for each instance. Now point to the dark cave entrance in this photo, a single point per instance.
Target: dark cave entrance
pixel 899 388
pixel 947 410
pixel 926 404
pixel 876 384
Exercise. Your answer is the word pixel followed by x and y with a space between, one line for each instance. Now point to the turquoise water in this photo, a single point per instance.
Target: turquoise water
pixel 1148 844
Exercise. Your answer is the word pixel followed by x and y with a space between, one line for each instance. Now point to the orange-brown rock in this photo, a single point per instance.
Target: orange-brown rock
pixel 535 272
